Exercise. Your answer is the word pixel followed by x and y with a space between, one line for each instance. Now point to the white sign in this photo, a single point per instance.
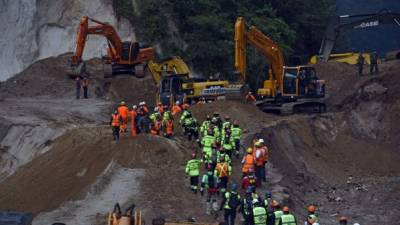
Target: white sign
pixel 367 24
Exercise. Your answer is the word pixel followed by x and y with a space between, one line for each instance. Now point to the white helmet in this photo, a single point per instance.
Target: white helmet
pixel 177 102
pixel 141 103
pixel 144 103
pixel 155 108
pixel 134 107
pixel 255 201
pixel 261 140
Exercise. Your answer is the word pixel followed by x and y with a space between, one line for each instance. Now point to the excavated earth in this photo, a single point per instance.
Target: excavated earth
pixel 58 160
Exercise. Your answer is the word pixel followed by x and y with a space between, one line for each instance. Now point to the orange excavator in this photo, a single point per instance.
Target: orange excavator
pixel 123 57
pixel 288 89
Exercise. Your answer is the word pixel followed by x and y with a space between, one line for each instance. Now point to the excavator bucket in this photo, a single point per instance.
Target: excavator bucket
pixel 74 71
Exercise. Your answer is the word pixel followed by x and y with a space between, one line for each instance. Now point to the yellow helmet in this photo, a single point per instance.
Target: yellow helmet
pixel 249 150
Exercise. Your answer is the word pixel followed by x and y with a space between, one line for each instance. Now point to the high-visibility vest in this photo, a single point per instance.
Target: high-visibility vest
pixel 169 127
pixel 222 169
pixel 288 219
pixel 248 163
pixel 115 120
pixel 259 215
pixel 278 215
pixel 123 111
pixel 265 153
pixel 259 160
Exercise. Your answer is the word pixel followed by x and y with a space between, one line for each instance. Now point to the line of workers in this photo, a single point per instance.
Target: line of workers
pixel 220 145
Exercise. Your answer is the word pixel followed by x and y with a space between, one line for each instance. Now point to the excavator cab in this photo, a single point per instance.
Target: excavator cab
pixel 302 82
pixel 171 89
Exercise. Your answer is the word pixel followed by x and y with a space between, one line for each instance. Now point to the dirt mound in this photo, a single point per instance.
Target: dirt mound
pixel 48 77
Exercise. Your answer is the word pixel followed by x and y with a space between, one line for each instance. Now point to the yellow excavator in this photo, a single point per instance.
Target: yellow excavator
pixel 287 90
pixel 175 82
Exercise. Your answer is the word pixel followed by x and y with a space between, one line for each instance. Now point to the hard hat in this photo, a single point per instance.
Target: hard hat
pixel 249 150
pixel 255 201
pixel 177 102
pixel 193 155
pixel 311 208
pixel 312 219
pixel 208 117
pixel 122 103
pixel 234 187
pixel 144 103
pixel 156 108
pixel 141 103
pixel 285 209
pixel 214 120
pixel 257 143
pixel 134 107
pixel 274 203
pixel 261 140
pixel 342 218
pixel 356 224
pixel 249 93
pixel 249 190
pixel 116 112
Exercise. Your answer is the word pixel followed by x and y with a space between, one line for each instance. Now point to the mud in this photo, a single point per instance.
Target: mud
pixel 344 161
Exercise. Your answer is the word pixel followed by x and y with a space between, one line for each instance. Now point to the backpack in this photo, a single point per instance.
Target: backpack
pixel 234 201
pixel 211 183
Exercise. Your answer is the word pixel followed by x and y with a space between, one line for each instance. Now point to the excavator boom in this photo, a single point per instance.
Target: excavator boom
pixel 123 57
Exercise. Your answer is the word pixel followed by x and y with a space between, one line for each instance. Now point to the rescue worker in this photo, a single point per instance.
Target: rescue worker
pixel 207 142
pixel 193 171
pixel 201 101
pixel 168 128
pixel 227 123
pixel 78 86
pixel 210 183
pixel 343 220
pixel 236 134
pixel 374 63
pixel 230 203
pixel 190 126
pixel 249 181
pixel 247 207
pixel 311 212
pixel 266 155
pixel 250 97
pixel 142 114
pixel 153 116
pixel 259 161
pixel 248 162
pixel 217 120
pixel 123 111
pixel 222 153
pixel 176 108
pixel 277 212
pixel 185 105
pixel 160 108
pixel 156 126
pixel 259 213
pixel 132 115
pixel 360 63
pixel 85 86
pixel 223 170
pixel 115 124
pixel 167 115
pixel 267 200
pixel 216 130
pixel 205 126
pixel 287 218
pixel 227 143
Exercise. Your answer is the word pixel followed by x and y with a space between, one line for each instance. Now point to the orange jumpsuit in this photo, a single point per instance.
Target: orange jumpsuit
pixel 132 115
pixel 124 112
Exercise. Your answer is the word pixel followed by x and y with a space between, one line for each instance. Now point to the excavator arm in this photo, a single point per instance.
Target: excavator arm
pixel 265 45
pixel 103 29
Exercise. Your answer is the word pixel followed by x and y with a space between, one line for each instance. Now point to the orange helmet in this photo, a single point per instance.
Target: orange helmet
pixel 274 203
pixel 311 208
pixel 285 209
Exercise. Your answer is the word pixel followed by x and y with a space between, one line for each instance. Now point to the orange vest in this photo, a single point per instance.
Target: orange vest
pixel 169 127
pixel 265 153
pixel 155 129
pixel 222 169
pixel 115 120
pixel 123 111
pixel 248 163
pixel 260 160
pixel 132 114
pixel 175 109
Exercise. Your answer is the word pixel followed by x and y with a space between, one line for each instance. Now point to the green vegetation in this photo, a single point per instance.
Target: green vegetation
pixel 201 31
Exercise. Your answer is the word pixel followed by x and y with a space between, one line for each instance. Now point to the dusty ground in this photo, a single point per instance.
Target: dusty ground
pixel 345 161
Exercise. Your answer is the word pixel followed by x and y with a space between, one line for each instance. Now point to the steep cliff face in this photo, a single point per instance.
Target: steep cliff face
pixel 36 29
